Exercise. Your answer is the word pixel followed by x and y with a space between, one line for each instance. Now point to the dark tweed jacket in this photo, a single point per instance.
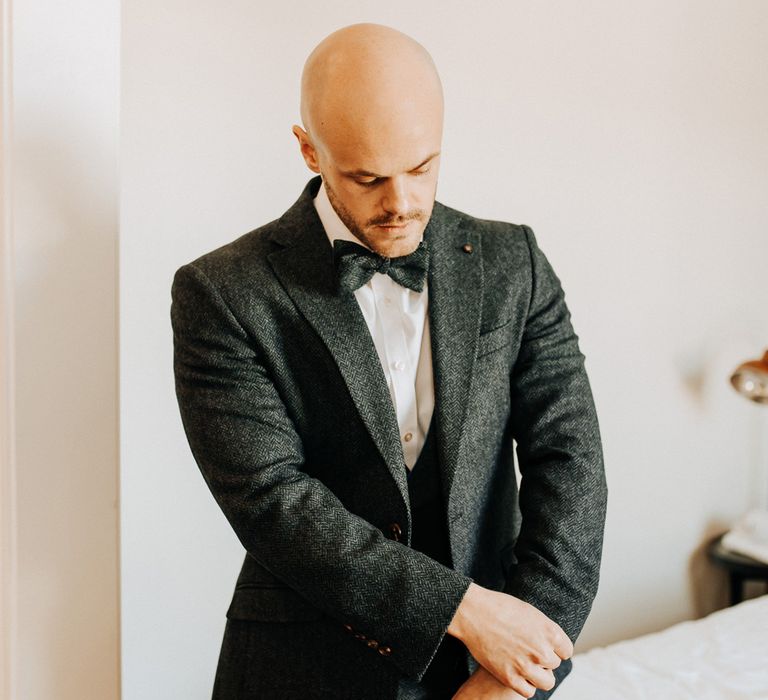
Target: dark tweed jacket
pixel 289 418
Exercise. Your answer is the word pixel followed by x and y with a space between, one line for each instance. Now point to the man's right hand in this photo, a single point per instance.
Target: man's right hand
pixel 510 638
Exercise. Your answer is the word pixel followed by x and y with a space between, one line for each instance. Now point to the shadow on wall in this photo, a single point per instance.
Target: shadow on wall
pixel 708 582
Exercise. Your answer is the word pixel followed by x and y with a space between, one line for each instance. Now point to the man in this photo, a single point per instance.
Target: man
pixel 351 378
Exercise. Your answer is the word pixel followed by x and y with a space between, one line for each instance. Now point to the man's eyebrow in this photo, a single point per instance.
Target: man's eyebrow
pixel 368 173
pixel 426 160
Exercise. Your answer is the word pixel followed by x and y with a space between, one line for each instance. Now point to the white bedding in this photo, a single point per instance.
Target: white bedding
pixel 721 657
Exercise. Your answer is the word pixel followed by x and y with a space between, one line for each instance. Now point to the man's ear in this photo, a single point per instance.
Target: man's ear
pixel 308 151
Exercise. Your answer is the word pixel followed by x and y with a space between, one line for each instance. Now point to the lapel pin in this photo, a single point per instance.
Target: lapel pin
pixel 467 248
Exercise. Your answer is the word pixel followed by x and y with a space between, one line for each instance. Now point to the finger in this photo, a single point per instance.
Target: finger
pixel 518 683
pixel 563 646
pixel 540 677
pixel 522 686
pixel 548 660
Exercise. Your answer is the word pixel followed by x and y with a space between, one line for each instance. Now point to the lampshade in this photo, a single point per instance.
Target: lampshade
pixel 751 379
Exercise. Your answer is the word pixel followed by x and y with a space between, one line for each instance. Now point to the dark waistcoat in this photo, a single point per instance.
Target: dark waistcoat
pixel 429 534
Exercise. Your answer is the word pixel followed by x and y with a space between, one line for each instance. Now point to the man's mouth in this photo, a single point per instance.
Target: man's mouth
pixel 398 224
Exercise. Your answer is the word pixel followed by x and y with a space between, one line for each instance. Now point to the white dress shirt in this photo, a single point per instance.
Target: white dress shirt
pixel 399 325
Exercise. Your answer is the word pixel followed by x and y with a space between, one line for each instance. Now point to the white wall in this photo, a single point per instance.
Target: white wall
pixel 65 217
pixel 630 135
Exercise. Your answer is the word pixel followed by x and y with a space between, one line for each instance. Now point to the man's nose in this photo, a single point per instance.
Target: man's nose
pixel 396 197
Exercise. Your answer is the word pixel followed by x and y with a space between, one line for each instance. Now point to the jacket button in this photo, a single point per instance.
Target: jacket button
pixel 396 531
pixel 385 651
pixel 360 636
pixel 467 248
pixel 372 643
pixel 348 628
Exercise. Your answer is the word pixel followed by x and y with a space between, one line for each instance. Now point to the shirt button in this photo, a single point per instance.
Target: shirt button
pixel 385 651
pixel 408 437
pixel 400 365
pixel 387 301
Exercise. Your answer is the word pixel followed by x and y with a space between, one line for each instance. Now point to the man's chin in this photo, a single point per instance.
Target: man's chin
pixel 394 243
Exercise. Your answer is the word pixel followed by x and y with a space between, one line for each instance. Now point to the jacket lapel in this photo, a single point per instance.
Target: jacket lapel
pixel 455 304
pixel 304 266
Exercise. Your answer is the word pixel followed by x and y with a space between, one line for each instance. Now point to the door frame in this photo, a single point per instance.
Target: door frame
pixel 8 512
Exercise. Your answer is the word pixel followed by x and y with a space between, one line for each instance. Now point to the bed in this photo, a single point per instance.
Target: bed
pixel 721 657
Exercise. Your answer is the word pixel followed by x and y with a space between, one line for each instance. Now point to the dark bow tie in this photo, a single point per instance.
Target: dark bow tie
pixel 355 265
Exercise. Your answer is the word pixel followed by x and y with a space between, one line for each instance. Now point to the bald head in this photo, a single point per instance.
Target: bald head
pixel 368 78
pixel 372 107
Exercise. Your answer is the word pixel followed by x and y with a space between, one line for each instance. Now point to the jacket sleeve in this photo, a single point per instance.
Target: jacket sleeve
pixel 563 491
pixel 251 457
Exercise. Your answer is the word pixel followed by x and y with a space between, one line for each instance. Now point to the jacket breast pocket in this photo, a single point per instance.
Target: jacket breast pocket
pixel 270 603
pixel 494 339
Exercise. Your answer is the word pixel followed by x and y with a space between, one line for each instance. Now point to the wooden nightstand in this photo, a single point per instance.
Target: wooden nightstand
pixel 740 568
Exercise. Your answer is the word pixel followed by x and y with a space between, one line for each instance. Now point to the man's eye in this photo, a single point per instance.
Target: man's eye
pixel 367 182
pixel 420 171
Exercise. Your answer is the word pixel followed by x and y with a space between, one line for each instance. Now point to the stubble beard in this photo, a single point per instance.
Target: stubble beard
pixel 357 231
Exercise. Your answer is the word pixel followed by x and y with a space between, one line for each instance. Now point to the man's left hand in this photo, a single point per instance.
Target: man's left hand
pixel 483 685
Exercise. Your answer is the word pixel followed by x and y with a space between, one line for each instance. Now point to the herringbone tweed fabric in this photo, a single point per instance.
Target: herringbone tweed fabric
pixel 289 419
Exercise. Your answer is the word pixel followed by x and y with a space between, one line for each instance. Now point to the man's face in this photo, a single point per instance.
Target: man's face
pixel 382 185
pixel 386 212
